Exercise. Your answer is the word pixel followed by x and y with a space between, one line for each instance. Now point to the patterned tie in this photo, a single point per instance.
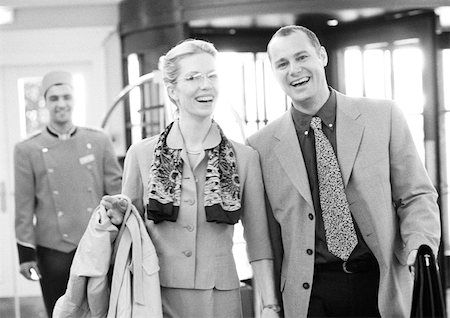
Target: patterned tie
pixel 339 229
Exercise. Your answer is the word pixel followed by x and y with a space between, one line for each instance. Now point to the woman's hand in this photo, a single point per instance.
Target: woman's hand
pixel 269 313
pixel 115 208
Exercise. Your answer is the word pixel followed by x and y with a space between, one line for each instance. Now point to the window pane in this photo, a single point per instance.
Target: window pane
pixel 408 86
pixel 135 98
pixel 32 105
pixel 353 72
pixel 446 76
pixel 374 73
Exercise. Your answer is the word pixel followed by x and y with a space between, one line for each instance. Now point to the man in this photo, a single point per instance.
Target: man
pixel 61 175
pixel 345 231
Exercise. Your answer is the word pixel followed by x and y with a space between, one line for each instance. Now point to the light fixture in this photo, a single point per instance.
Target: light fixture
pixel 332 22
pixel 6 15
pixel 444 17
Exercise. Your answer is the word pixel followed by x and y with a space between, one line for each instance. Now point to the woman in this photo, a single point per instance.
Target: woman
pixel 192 185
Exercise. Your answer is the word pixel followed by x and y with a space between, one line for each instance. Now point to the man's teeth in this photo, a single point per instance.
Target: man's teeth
pixel 300 81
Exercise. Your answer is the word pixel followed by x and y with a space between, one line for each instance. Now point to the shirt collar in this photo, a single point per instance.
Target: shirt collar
pixel 61 136
pixel 175 138
pixel 327 114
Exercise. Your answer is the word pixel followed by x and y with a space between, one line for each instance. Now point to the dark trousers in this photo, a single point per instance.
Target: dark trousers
pixel 339 294
pixel 55 269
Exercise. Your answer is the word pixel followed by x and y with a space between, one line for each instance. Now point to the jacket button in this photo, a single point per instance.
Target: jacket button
pixel 187 253
pixel 66 235
pixel 50 170
pixel 305 285
pixel 55 192
pixel 190 228
pixel 311 216
pixel 309 251
pixel 60 213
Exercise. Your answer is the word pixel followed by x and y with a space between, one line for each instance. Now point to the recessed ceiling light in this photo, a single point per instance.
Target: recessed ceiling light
pixel 6 15
pixel 444 16
pixel 332 22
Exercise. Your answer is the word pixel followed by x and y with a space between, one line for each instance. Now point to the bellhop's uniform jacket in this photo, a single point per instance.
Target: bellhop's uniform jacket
pixel 389 192
pixel 193 253
pixel 60 182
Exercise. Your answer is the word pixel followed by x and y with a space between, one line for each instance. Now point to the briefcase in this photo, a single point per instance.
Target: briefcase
pixel 428 297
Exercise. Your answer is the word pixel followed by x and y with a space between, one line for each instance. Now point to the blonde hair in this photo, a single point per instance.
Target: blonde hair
pixel 169 63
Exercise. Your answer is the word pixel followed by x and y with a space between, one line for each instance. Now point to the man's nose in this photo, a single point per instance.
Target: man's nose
pixel 295 68
pixel 61 103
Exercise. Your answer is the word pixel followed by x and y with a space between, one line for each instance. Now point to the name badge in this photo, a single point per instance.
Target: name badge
pixel 87 159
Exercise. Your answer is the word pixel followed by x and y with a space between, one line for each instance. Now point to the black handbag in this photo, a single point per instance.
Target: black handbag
pixel 428 297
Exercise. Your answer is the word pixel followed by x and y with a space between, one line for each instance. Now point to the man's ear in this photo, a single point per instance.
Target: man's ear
pixel 323 56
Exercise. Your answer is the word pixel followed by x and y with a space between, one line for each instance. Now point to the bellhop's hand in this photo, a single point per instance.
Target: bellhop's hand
pixel 30 271
pixel 115 208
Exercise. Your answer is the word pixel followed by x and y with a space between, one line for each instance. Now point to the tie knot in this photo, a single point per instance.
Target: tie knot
pixel 316 123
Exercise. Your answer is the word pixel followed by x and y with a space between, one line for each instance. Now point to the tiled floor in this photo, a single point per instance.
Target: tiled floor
pixel 33 307
pixel 30 307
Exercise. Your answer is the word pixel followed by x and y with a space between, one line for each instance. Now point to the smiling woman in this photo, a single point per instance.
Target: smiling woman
pixel 196 185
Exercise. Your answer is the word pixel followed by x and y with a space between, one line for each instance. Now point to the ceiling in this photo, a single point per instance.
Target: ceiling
pixel 53 3
pixel 311 18
pixel 355 10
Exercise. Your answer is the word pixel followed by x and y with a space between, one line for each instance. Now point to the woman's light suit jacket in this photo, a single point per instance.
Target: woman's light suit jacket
pixel 193 253
pixel 389 192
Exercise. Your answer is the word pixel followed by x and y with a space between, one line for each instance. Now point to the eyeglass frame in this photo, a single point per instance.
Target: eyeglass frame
pixel 196 77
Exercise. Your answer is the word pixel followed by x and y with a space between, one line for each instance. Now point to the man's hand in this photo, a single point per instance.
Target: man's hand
pixel 30 271
pixel 115 208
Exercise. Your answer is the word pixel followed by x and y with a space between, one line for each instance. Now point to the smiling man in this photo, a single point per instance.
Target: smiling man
pixel 349 199
pixel 61 173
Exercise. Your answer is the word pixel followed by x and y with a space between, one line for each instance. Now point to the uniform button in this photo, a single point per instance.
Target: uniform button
pixel 190 228
pixel 309 251
pixel 55 192
pixel 89 146
pixel 187 253
pixel 66 235
pixel 89 189
pixel 60 213
pixel 190 201
pixel 305 285
pixel 311 216
pixel 50 170
pixel 89 210
pixel 44 149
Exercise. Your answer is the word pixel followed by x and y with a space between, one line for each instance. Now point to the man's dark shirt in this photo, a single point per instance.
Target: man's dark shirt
pixel 305 136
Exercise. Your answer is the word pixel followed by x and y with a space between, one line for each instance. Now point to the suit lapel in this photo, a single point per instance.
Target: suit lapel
pixel 289 154
pixel 348 134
